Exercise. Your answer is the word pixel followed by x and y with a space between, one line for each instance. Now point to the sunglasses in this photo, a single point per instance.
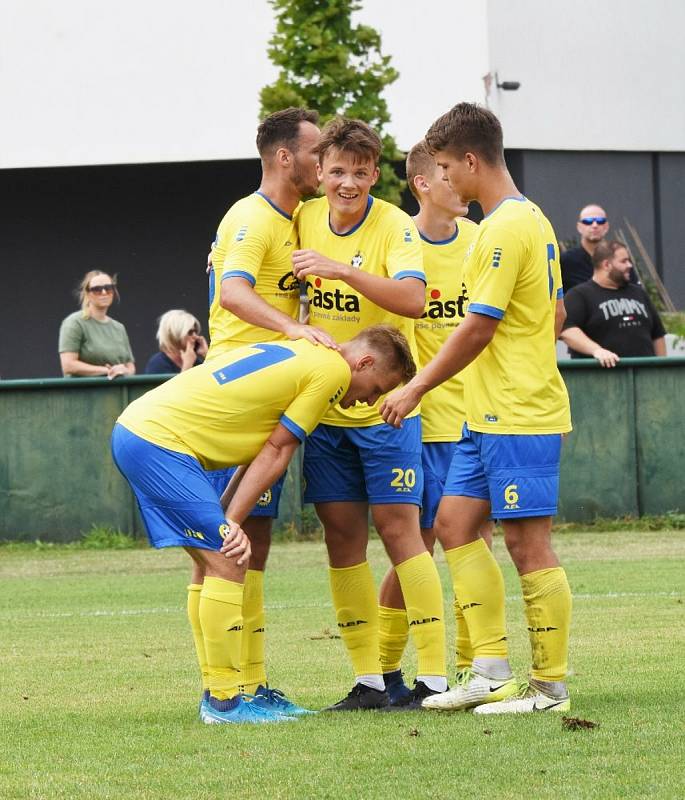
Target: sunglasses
pixel 106 288
pixel 590 220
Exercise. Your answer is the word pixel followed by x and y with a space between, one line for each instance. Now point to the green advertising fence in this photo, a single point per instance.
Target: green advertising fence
pixel 626 454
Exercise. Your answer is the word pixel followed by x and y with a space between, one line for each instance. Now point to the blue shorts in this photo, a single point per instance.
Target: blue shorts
pixel 376 464
pixel 436 458
pixel 267 505
pixel 176 496
pixel 518 474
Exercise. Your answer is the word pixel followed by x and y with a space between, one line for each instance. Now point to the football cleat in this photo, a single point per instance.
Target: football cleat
pixel 527 699
pixel 471 690
pixel 398 691
pixel 203 700
pixel 413 702
pixel 238 710
pixel 361 698
pixel 274 700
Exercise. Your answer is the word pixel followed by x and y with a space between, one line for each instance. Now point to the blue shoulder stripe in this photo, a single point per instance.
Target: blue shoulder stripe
pixel 239 273
pixel 293 427
pixel 410 273
pixel 488 311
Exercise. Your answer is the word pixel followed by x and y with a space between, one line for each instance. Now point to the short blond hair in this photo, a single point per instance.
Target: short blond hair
pixel 174 326
pixel 393 348
pixel 420 161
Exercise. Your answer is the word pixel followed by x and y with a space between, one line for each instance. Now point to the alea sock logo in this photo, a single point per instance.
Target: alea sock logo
pixel 436 308
pixel 331 300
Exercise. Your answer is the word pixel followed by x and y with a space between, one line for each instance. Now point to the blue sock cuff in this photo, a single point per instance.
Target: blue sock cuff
pixel 224 705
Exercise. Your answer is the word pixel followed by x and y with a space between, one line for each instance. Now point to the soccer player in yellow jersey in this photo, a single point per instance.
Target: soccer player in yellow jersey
pixel 254 297
pixel 445 237
pixel 253 405
pixel 517 408
pixel 361 259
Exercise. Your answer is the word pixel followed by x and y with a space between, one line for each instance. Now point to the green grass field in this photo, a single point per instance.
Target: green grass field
pixel 99 691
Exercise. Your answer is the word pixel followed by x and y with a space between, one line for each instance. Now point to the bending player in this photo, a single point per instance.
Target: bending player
pixel 254 404
pixel 446 236
pixel 255 297
pixel 361 259
pixel 517 408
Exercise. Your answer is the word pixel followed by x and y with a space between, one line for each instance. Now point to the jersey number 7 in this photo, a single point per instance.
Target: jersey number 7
pixel 266 356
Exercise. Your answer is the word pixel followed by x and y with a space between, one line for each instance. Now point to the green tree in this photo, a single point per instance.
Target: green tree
pixel 329 64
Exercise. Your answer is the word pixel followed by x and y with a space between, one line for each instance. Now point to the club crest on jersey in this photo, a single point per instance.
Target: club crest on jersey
pixel 436 308
pixel 241 234
pixel 331 300
pixel 357 259
pixel 496 257
pixel 265 499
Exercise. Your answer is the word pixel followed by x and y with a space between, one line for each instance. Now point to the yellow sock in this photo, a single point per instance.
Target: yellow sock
pixel 221 617
pixel 479 585
pixel 547 598
pixel 252 666
pixel 464 651
pixel 194 590
pixel 356 609
pixel 393 635
pixel 422 594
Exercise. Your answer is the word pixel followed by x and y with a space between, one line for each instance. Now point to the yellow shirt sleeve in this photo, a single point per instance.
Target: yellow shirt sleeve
pixel 498 256
pixel 323 388
pixel 246 251
pixel 404 257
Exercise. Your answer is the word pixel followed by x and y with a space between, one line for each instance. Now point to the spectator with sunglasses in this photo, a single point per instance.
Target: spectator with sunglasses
pixel 91 343
pixel 181 345
pixel 576 262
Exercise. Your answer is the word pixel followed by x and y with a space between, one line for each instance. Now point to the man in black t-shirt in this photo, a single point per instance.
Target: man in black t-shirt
pixel 609 318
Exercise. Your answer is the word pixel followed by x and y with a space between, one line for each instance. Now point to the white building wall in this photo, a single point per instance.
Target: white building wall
pixel 608 75
pixel 84 82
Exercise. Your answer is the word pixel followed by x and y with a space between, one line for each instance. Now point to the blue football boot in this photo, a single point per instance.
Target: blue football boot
pixel 238 710
pixel 276 701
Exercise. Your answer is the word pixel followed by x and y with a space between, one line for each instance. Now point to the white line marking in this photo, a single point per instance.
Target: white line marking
pixel 138 612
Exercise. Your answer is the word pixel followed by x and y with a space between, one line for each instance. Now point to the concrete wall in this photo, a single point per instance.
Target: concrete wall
pixel 138 82
pixel 602 76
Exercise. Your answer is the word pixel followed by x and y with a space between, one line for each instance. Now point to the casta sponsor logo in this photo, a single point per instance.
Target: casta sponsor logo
pixel 436 308
pixel 288 282
pixel 329 300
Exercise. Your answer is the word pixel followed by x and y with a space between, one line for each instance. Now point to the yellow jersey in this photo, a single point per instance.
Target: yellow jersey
pixel 512 274
pixel 442 409
pixel 223 411
pixel 384 243
pixel 255 241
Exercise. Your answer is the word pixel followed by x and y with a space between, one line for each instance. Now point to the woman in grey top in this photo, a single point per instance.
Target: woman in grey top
pixel 90 342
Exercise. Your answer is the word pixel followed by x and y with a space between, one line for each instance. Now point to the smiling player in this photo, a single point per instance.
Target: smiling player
pixel 361 259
